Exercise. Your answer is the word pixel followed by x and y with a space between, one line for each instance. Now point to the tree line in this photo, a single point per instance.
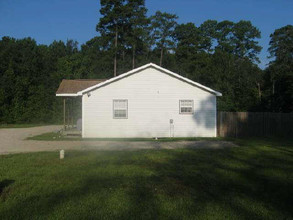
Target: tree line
pixel 221 55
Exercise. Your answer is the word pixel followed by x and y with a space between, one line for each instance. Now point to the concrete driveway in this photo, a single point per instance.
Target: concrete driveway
pixel 12 140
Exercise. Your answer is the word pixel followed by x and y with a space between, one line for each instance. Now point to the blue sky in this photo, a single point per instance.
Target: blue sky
pixel 47 20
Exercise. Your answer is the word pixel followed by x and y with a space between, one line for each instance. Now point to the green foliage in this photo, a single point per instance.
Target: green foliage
pixel 137 28
pixel 227 69
pixel 221 55
pixel 29 79
pixel 278 80
pixel 208 31
pixel 5 126
pixel 238 39
pixel 163 25
pixel 281 44
pixel 113 18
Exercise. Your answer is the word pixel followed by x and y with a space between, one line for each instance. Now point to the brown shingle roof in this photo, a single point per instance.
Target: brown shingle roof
pixel 72 86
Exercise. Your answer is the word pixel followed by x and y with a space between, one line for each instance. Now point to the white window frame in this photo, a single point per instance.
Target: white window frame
pixel 126 117
pixel 192 107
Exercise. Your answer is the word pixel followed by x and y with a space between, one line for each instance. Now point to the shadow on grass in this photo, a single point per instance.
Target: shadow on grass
pixel 258 186
pixel 5 183
pixel 224 184
pixel 4 189
pixel 55 136
pixel 96 198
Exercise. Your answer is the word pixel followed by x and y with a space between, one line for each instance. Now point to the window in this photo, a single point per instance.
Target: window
pixel 120 108
pixel 186 106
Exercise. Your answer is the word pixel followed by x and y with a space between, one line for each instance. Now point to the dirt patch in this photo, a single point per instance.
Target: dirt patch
pixel 13 141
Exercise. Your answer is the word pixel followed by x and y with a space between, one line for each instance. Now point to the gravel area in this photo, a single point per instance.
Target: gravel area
pixel 12 140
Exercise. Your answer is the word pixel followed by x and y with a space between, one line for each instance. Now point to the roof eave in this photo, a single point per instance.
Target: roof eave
pixel 67 94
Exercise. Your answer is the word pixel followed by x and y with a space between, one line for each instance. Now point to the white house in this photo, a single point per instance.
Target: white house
pixel 149 101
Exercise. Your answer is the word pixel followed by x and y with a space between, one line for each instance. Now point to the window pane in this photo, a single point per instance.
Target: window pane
pixel 120 108
pixel 184 109
pixel 120 113
pixel 120 104
pixel 186 106
pixel 186 103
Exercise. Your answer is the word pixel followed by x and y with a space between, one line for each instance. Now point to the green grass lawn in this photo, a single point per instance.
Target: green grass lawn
pixel 54 136
pixel 254 181
pixel 21 125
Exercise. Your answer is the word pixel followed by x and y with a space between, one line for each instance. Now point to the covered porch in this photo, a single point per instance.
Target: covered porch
pixel 72 103
pixel 72 117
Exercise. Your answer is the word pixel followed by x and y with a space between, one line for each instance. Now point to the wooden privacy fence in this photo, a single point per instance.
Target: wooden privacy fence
pixel 262 124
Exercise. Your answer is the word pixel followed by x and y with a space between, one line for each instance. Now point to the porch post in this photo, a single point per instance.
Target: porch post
pixel 72 111
pixel 68 108
pixel 64 113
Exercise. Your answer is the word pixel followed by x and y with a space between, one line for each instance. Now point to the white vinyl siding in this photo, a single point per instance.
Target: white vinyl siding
pixel 120 109
pixel 186 106
pixel 153 99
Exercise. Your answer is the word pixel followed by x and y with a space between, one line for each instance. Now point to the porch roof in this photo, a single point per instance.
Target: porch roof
pixel 70 87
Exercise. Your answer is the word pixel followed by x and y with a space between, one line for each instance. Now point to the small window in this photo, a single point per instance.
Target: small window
pixel 120 108
pixel 186 106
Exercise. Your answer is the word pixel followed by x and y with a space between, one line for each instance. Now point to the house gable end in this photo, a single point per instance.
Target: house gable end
pixel 147 66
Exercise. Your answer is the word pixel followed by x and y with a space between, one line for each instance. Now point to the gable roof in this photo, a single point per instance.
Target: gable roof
pixel 70 87
pixel 106 82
